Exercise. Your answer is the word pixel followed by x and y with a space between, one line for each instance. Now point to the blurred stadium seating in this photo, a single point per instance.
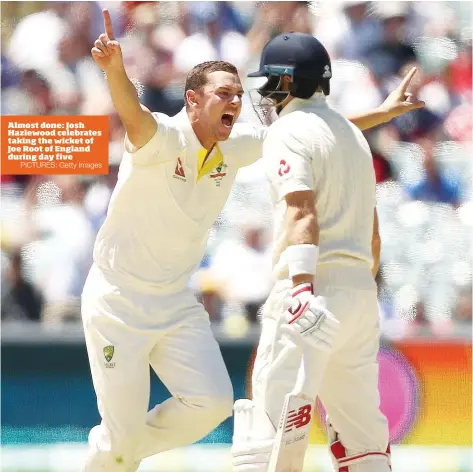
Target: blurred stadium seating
pixel 48 223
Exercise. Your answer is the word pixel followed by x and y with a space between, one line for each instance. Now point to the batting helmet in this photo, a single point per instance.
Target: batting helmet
pixel 299 55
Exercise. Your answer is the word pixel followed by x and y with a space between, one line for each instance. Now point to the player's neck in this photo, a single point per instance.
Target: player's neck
pixel 201 131
pixel 207 142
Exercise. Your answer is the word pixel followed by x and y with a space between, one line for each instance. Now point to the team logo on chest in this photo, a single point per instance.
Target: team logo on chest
pixel 108 352
pixel 179 171
pixel 219 173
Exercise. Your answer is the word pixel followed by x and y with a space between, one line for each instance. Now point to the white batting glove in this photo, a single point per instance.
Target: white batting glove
pixel 307 320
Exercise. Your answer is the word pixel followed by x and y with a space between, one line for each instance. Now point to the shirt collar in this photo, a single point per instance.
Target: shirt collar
pixel 186 127
pixel 215 158
pixel 317 100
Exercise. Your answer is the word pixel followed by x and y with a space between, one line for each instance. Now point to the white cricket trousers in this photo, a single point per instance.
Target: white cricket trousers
pixel 349 386
pixel 125 333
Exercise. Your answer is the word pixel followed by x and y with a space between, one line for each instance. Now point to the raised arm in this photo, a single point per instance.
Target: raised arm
pixel 139 124
pixel 399 101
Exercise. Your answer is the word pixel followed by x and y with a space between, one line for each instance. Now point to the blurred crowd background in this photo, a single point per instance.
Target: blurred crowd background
pixel 422 160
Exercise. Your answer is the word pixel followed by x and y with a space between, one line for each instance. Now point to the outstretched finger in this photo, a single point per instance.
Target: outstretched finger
pixel 107 23
pixel 407 79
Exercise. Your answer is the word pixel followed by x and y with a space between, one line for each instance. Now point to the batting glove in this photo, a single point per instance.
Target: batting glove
pixel 307 320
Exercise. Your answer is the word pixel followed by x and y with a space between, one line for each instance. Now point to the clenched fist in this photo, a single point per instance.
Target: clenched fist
pixel 106 51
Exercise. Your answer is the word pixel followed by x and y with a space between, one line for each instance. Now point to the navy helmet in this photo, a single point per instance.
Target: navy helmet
pixel 299 55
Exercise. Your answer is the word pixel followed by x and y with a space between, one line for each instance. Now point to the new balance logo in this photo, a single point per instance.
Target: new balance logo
pixel 298 419
pixel 179 171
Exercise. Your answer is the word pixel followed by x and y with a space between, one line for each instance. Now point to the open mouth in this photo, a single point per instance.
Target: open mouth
pixel 227 120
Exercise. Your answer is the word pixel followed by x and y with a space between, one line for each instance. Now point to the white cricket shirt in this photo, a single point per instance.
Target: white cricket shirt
pixel 165 202
pixel 312 147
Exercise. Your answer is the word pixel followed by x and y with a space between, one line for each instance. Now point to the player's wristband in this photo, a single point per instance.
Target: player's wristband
pixel 301 259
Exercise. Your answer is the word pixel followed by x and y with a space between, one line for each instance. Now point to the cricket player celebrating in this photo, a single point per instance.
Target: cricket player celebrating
pixel 174 179
pixel 320 329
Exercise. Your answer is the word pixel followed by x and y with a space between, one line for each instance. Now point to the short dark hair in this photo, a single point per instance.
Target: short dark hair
pixel 197 77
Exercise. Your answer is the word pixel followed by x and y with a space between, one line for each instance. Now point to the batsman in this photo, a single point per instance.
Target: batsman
pixel 320 324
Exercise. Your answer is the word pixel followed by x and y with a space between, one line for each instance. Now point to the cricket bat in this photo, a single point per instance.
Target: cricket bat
pixel 292 436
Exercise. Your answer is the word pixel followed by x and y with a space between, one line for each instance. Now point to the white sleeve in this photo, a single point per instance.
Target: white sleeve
pixel 248 143
pixel 156 150
pixel 287 160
